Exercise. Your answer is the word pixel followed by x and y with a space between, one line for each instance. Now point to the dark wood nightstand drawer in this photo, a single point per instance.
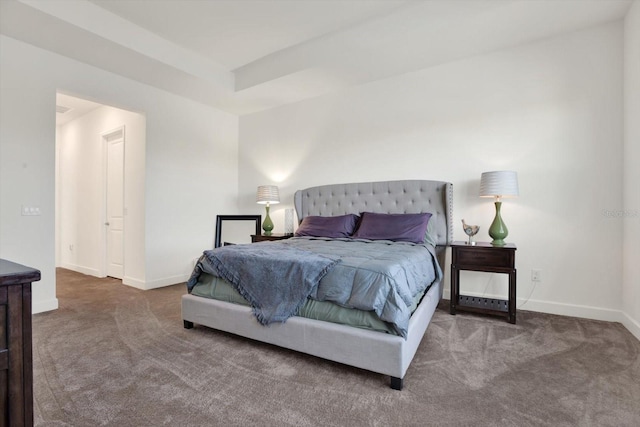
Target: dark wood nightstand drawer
pixel 483 257
pixel 255 238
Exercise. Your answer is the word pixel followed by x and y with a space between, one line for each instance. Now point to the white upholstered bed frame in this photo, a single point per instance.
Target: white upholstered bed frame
pixel 375 351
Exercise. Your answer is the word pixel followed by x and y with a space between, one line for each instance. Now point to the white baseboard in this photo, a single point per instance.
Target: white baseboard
pixel 80 269
pixel 153 284
pixel 134 283
pixel 585 312
pixel 573 310
pixel 42 306
pixel 131 281
pixel 632 325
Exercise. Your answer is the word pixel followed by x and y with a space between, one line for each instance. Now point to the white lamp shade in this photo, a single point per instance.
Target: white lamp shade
pixel 499 184
pixel 268 194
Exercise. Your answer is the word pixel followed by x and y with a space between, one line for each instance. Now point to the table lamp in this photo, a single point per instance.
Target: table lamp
pixel 498 184
pixel 267 194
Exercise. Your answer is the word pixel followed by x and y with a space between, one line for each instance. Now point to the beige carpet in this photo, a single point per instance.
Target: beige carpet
pixel 115 356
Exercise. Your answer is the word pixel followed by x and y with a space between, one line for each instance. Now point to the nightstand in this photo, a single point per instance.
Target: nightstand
pixel 491 259
pixel 274 236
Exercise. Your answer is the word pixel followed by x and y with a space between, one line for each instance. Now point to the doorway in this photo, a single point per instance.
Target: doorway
pixel 99 180
pixel 113 142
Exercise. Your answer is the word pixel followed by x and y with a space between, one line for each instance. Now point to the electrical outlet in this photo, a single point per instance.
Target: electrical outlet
pixel 536 275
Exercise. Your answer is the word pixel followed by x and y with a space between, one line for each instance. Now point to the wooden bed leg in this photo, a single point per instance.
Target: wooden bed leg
pixel 187 324
pixel 396 383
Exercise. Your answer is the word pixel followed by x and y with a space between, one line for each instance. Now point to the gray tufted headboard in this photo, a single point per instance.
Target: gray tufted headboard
pixel 409 196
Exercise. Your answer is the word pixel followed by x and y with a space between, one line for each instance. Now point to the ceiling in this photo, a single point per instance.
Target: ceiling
pixel 251 55
pixel 235 33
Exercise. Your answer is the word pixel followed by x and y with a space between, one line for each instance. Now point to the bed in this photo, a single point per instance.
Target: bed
pixel 383 353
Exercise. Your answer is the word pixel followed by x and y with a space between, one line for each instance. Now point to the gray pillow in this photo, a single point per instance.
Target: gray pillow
pixel 431 238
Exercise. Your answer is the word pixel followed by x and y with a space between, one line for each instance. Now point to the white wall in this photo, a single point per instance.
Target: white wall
pixel 27 169
pixel 80 184
pixel 191 177
pixel 190 164
pixel 549 110
pixel 631 219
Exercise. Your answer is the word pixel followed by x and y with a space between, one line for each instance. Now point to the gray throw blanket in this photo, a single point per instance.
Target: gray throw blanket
pixel 275 279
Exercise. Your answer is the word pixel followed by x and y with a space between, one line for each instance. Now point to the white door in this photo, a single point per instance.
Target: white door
pixel 115 207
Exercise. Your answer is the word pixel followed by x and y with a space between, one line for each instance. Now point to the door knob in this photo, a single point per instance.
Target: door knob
pixel 106 223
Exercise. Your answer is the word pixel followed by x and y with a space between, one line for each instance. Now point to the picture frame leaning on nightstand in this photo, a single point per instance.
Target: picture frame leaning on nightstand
pixel 237 227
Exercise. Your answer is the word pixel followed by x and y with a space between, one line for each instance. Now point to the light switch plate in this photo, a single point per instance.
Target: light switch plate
pixel 30 210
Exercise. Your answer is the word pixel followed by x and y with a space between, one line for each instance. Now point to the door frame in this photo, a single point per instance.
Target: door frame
pixel 106 137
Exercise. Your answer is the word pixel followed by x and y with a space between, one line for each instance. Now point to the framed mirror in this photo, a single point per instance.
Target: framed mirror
pixel 236 229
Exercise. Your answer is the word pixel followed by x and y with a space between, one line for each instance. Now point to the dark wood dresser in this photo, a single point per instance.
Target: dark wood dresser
pixel 16 366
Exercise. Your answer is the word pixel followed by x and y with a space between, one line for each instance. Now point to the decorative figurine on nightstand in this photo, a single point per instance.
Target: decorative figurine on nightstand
pixel 470 230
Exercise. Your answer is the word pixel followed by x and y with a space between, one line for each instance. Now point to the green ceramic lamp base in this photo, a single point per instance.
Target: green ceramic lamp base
pixel 267 224
pixel 498 230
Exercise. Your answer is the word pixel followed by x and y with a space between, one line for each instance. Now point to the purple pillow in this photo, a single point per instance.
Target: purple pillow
pixel 396 227
pixel 328 226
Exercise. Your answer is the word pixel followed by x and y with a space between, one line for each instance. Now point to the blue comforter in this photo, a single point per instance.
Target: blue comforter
pixel 379 276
